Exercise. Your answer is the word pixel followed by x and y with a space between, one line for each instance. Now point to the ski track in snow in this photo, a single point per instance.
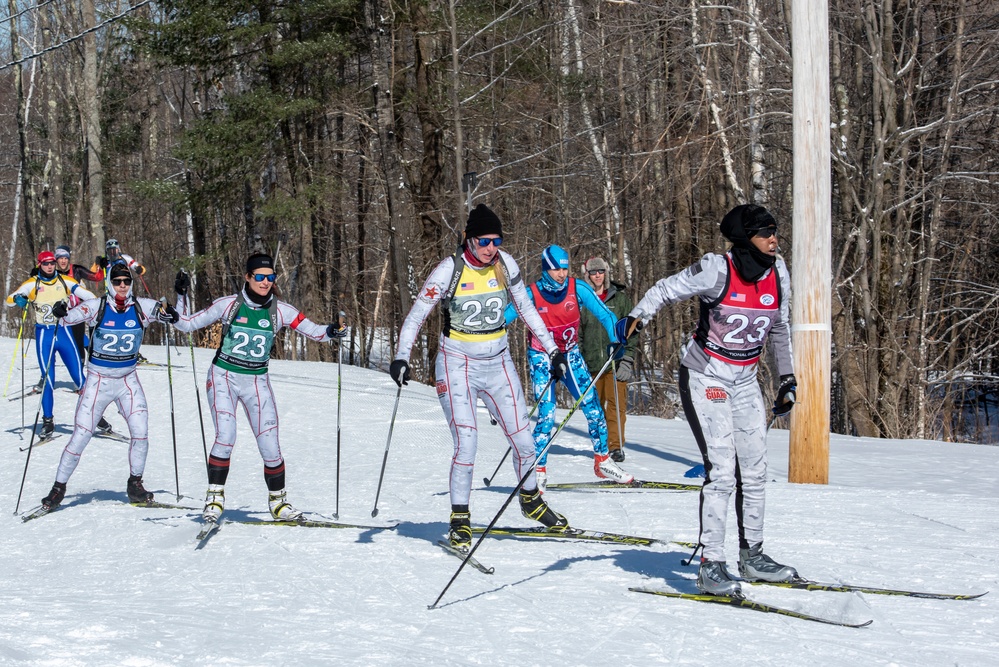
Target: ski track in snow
pixel 101 583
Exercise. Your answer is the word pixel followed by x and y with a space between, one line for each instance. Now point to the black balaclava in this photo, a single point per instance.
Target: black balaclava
pixel 738 226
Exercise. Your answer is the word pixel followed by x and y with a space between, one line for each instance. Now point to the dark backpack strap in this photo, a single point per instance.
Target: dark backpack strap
pixel 141 313
pixel 459 266
pixel 100 318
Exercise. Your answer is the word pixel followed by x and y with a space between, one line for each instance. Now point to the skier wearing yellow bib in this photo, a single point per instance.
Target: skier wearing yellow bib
pixel 250 320
pixel 474 287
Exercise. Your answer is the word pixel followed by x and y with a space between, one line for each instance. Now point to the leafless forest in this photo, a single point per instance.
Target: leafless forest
pixel 336 135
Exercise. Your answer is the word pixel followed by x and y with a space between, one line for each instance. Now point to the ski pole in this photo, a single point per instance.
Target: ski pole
pixel 339 402
pixel 31 443
pixel 173 425
pixel 489 480
pixel 520 484
pixel 194 371
pixel 617 405
pixel 374 511
pixel 197 394
pixel 17 344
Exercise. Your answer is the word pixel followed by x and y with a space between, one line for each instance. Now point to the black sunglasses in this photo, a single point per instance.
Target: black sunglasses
pixel 121 281
pixel 765 233
pixel 485 242
pixel 597 272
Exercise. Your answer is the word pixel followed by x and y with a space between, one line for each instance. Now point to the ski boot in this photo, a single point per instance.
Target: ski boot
pixel 604 468
pixel 48 428
pixel 103 427
pixel 714 579
pixel 460 534
pixel 214 503
pixel 617 455
pixel 281 509
pixel 541 474
pixel 136 492
pixel 754 565
pixel 55 496
pixel 534 507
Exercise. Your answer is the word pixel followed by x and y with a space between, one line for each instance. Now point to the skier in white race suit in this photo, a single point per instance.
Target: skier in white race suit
pixel 238 374
pixel 745 299
pixel 118 320
pixel 474 287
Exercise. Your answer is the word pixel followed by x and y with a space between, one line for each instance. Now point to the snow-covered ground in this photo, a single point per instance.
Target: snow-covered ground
pixel 103 583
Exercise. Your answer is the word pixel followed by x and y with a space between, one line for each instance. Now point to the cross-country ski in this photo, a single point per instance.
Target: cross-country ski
pixel 607 485
pixel 746 603
pixel 462 554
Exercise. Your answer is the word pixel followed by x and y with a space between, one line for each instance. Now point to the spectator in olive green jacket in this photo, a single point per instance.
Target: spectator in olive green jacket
pixel 612 388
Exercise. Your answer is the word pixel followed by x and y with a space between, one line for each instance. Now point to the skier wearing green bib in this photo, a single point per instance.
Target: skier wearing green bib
pixel 250 320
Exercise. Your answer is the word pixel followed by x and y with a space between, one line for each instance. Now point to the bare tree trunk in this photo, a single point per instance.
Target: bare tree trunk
pixel 614 222
pixel 92 132
pixel 379 24
pixel 23 177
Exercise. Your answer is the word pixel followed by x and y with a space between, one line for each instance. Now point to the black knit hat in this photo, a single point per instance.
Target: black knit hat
pixel 482 221
pixel 119 270
pixel 739 223
pixel 259 261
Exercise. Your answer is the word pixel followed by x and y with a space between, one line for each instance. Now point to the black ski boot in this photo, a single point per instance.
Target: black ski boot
pixel 460 534
pixel 534 507
pixel 104 427
pixel 55 496
pixel 136 492
pixel 48 428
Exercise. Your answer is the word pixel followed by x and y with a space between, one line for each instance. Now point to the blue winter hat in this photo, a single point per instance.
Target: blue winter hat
pixel 553 258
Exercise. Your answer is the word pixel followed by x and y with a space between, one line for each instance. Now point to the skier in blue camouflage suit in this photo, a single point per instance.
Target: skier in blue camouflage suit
pixel 559 300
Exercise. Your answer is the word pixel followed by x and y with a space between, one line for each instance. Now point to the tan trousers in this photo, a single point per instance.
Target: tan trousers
pixel 613 393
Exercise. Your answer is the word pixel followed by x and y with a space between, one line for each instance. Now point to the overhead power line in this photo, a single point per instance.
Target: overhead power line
pixel 25 11
pixel 75 37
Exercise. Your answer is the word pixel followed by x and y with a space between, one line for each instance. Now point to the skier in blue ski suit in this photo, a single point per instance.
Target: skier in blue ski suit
pixel 559 300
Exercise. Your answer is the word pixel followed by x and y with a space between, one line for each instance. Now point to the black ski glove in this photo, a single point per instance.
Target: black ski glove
pixel 337 330
pixel 60 309
pixel 182 283
pixel 399 370
pixel 168 314
pixel 560 367
pixel 785 395
pixel 101 262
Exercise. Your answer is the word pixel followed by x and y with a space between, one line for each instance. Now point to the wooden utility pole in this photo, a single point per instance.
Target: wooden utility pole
pixel 811 274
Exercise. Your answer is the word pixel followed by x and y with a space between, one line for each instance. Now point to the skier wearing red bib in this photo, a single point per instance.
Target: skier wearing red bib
pixel 238 374
pixel 560 301
pixel 745 303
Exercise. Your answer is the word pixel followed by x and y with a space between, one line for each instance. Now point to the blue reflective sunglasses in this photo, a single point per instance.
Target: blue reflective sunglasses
pixel 485 242
pixel 261 277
